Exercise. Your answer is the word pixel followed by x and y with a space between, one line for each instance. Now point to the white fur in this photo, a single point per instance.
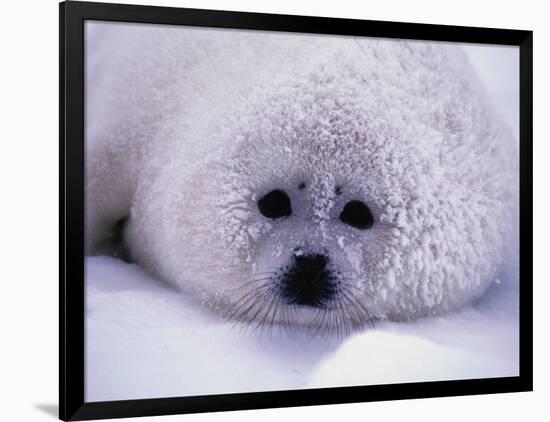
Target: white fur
pixel 188 128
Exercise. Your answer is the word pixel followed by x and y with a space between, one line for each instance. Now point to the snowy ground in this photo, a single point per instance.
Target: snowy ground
pixel 144 340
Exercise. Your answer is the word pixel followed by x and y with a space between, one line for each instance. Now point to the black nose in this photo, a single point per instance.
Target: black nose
pixel 310 264
pixel 308 281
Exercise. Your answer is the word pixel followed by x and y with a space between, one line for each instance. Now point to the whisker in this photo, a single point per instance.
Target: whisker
pixel 362 312
pixel 252 295
pixel 349 316
pixel 343 324
pixel 262 307
pixel 343 282
pixel 270 306
pixel 259 300
pixel 248 283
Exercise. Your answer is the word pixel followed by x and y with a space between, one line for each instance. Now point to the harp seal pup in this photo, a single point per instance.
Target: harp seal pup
pixel 298 180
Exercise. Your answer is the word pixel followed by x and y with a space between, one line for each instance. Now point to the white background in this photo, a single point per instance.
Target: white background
pixel 29 208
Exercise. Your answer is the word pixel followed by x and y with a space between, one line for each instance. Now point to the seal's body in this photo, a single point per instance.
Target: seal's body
pixel 294 179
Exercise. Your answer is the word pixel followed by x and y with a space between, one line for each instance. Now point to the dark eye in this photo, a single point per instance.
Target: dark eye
pixel 357 214
pixel 275 204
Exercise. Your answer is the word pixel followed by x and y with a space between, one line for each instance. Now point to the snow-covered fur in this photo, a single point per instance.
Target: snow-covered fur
pixel 187 128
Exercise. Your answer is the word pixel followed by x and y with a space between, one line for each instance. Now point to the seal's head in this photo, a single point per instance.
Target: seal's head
pixel 354 190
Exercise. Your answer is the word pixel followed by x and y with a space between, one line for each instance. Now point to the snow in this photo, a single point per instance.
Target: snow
pixel 146 340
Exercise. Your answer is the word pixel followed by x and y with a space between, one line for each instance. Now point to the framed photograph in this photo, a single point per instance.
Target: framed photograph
pixel 266 210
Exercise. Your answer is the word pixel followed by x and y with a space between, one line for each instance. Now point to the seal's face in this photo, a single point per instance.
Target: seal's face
pixel 314 255
pixel 310 278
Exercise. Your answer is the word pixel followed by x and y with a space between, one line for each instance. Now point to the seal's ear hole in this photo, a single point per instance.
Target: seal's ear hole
pixel 275 204
pixel 302 186
pixel 356 214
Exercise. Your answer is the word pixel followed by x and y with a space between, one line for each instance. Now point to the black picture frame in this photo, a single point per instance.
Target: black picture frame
pixel 72 16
